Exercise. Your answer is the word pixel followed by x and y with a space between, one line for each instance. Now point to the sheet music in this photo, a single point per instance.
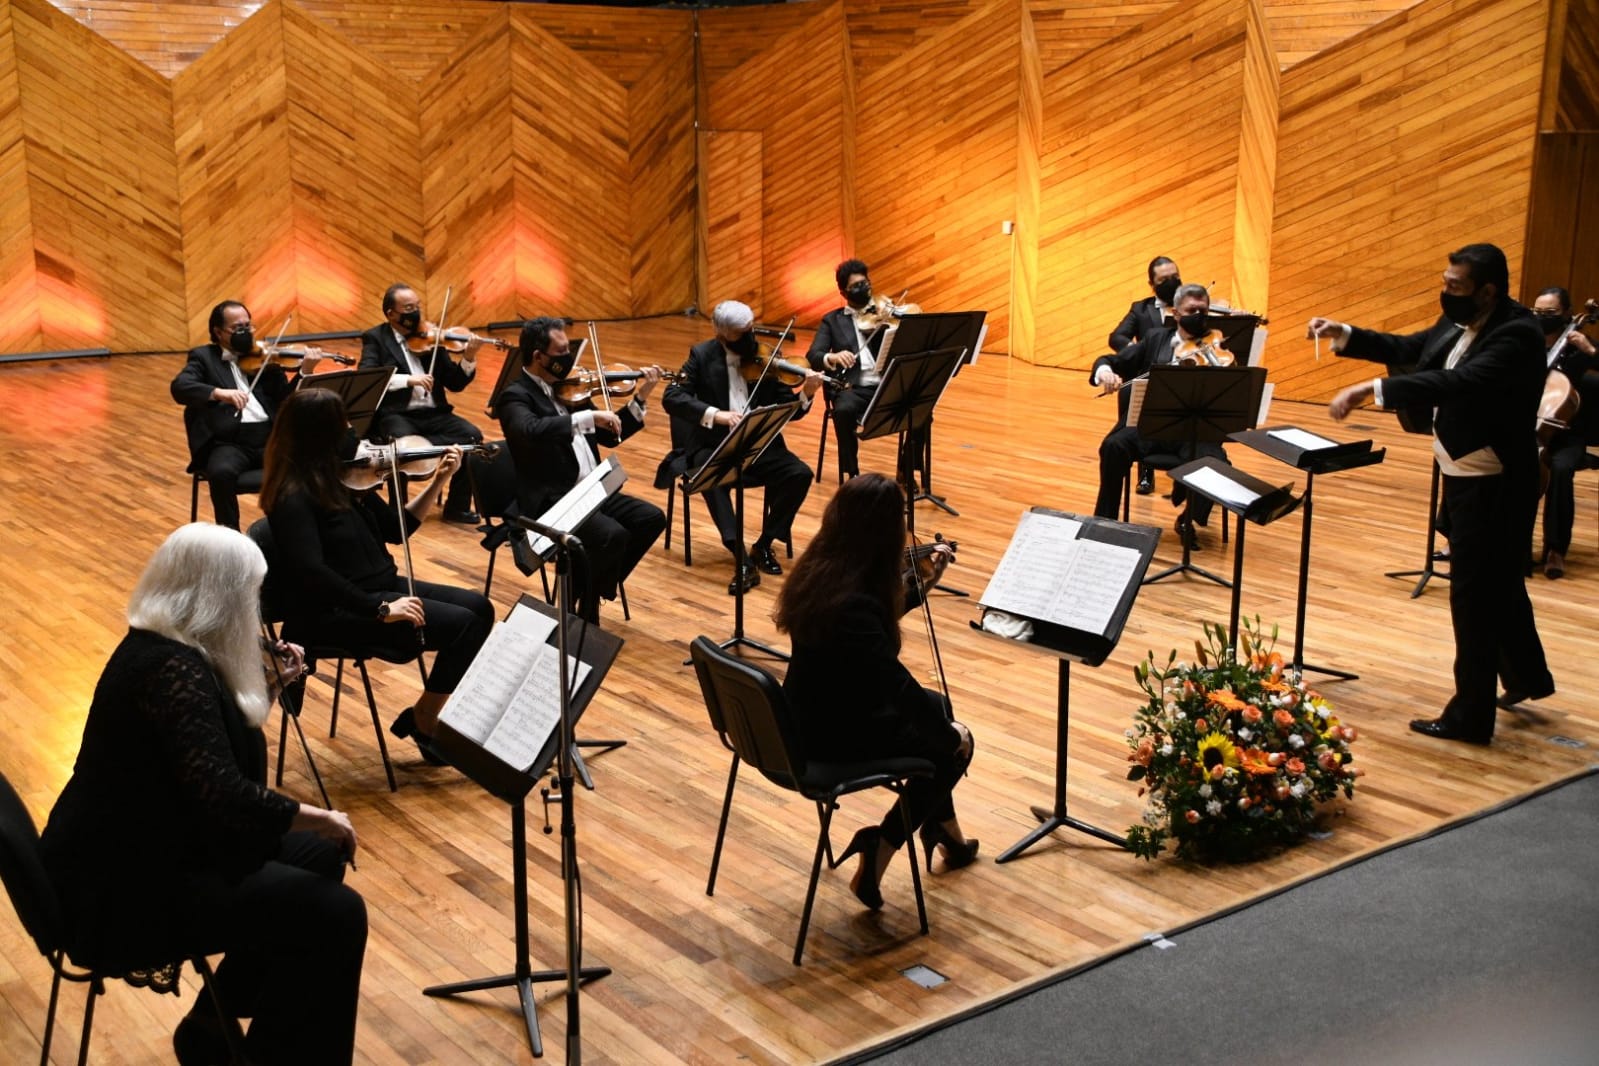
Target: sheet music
pixel 479 701
pixel 527 621
pixel 1092 585
pixel 1257 346
pixel 580 501
pixel 982 338
pixel 534 712
pixel 1224 490
pixel 1301 439
pixel 1026 580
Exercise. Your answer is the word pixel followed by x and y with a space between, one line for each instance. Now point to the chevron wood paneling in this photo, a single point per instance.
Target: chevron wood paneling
pixel 930 196
pixel 1127 175
pixel 731 179
pixel 627 44
pixel 411 38
pixel 1394 149
pixel 661 178
pixel 1563 223
pixel 1257 167
pixel 102 187
pixel 804 233
pixel 883 32
pixel 165 36
pixel 19 290
pixel 1303 28
pixel 732 36
pixel 1067 29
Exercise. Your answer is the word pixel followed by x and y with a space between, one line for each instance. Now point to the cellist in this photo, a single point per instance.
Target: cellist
pixel 1567 451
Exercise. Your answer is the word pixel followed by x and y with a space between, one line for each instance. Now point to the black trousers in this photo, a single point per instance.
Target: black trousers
pixel 786 479
pixel 439 427
pixel 614 539
pixel 1567 455
pixel 457 622
pixel 848 407
pixel 294 938
pixel 227 462
pixel 1496 637
pixel 1122 447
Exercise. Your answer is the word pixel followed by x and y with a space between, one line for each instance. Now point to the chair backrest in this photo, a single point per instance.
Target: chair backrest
pixel 29 887
pixel 748 708
pixel 494 481
pixel 271 597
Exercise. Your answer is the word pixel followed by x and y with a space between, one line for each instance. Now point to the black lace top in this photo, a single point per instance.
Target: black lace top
pixel 166 807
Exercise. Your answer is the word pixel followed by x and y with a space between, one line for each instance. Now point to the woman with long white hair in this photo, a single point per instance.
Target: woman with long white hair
pixel 166 843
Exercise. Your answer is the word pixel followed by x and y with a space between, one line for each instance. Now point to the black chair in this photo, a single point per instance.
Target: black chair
pixel 495 484
pixel 249 481
pixel 272 612
pixel 34 899
pixel 827 427
pixel 751 716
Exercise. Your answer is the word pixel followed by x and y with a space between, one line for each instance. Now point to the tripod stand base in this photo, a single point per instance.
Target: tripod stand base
pixel 740 641
pixel 1053 820
pixel 936 501
pixel 524 987
pixel 601 747
pixel 1187 568
pixel 1426 575
pixel 1342 675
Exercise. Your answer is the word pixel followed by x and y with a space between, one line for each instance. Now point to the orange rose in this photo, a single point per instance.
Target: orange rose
pixel 1282 792
pixel 1192 816
pixel 1201 725
pixel 1295 766
pixel 1145 752
pixel 1218 771
pixel 1329 761
pixel 1349 734
pixel 1252 715
pixel 1283 719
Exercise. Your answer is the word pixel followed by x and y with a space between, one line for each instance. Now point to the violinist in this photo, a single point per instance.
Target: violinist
pixel 340 586
pixel 227 413
pixel 711 394
pixel 555 443
pixel 845 348
pixel 417 402
pixel 853 698
pixel 1123 445
pixel 1568 448
pixel 1145 315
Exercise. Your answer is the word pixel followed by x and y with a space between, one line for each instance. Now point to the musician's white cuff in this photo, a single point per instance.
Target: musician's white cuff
pixel 1376 391
pixel 583 421
pixel 1340 342
pixel 708 419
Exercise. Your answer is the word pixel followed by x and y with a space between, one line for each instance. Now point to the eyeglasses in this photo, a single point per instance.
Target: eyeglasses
pixel 240 328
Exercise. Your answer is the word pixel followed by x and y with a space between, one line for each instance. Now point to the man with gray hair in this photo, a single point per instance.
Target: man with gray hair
pixel 711 395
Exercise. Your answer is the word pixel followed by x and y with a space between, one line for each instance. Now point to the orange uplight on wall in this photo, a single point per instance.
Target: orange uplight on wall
pixel 69 316
pixel 327 287
pixel 540 271
pixel 808 286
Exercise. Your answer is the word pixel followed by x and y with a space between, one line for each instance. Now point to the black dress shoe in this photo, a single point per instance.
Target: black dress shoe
pixel 1513 696
pixel 467 517
pixel 404 725
pixel 752 577
pixel 766 559
pixel 1437 727
pixel 1146 481
pixel 1187 536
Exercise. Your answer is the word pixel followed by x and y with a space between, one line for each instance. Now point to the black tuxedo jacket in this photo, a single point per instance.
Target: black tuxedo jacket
pixel 1142 318
pixel 206 421
pixel 1490 399
pixel 380 347
pixel 540 440
pixel 703 383
pixel 837 334
pixel 1154 349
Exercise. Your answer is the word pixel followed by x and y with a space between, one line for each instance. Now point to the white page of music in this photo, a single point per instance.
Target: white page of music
pixel 582 498
pixel 501 666
pixel 1218 486
pixel 1026 580
pixel 1301 439
pixel 1092 585
pixel 534 712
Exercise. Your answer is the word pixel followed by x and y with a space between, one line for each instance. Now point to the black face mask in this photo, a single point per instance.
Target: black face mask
pixel 1195 325
pixel 859 294
pixel 746 345
pixel 1458 309
pixel 1166 290
pixel 1552 325
pixel 560 365
pixel 411 321
pixel 242 342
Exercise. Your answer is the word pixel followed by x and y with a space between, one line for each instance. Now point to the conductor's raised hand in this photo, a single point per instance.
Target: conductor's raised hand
pixel 1324 327
pixel 1349 399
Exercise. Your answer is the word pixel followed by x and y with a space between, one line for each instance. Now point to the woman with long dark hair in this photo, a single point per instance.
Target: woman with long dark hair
pixel 852 696
pixel 338 583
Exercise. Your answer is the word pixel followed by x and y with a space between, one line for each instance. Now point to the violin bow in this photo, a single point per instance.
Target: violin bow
pixel 250 391
pixel 932 635
pixel 749 401
pixel 599 368
pixel 438 331
pixel 399 516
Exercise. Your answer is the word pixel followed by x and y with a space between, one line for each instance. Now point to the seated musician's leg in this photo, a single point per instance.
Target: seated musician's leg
pixel 1117 453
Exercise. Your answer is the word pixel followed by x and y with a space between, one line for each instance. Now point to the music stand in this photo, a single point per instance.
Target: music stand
pixel 361 391
pixel 1314 455
pixel 1088 612
pixel 1428 571
pixel 927 332
pixel 903 404
pixel 725 466
pixel 511 784
pixel 1194 405
pixel 513 365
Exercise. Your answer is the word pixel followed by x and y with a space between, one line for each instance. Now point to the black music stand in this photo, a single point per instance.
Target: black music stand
pixel 1250 498
pixel 513 365
pixel 361 391
pixel 1314 455
pixel 928 332
pixel 1427 571
pixel 1195 405
pixel 512 783
pixel 1038 552
pixel 903 404
pixel 725 466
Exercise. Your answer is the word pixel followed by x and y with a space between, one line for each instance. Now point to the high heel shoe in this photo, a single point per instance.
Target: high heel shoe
pixel 956 854
pixel 865 841
pixel 404 725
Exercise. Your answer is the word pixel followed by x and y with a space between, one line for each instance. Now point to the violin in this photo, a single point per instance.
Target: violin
pixel 453 340
pixel 287 356
pixel 415 457
pixel 920 558
pixel 1205 351
pixel 754 367
pixel 619 381
pixel 882 312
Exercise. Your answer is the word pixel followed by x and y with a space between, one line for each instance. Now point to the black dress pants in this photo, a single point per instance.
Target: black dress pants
pixel 1567 455
pixel 294 937
pixel 439 427
pixel 614 539
pixel 786 479
pixel 1122 447
pixel 1496 637
pixel 227 462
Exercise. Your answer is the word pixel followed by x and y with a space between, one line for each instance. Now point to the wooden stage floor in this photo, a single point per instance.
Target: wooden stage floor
pixel 93 479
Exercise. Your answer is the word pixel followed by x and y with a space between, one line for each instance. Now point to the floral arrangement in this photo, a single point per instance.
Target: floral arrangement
pixel 1234 754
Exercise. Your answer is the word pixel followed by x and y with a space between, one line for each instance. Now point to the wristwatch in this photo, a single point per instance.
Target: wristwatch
pixel 383 611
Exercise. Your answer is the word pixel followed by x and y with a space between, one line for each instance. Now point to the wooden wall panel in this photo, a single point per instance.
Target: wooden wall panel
pixel 1067 29
pixel 19 293
pixel 1563 223
pixel 1257 167
pixel 732 36
pixel 930 196
pixel 661 178
pixel 410 37
pixel 1128 176
pixel 1029 195
pixel 165 36
pixel 804 234
pixel 1393 149
pixel 730 163
pixel 1577 102
pixel 102 187
pixel 1303 28
pixel 883 32
pixel 627 44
